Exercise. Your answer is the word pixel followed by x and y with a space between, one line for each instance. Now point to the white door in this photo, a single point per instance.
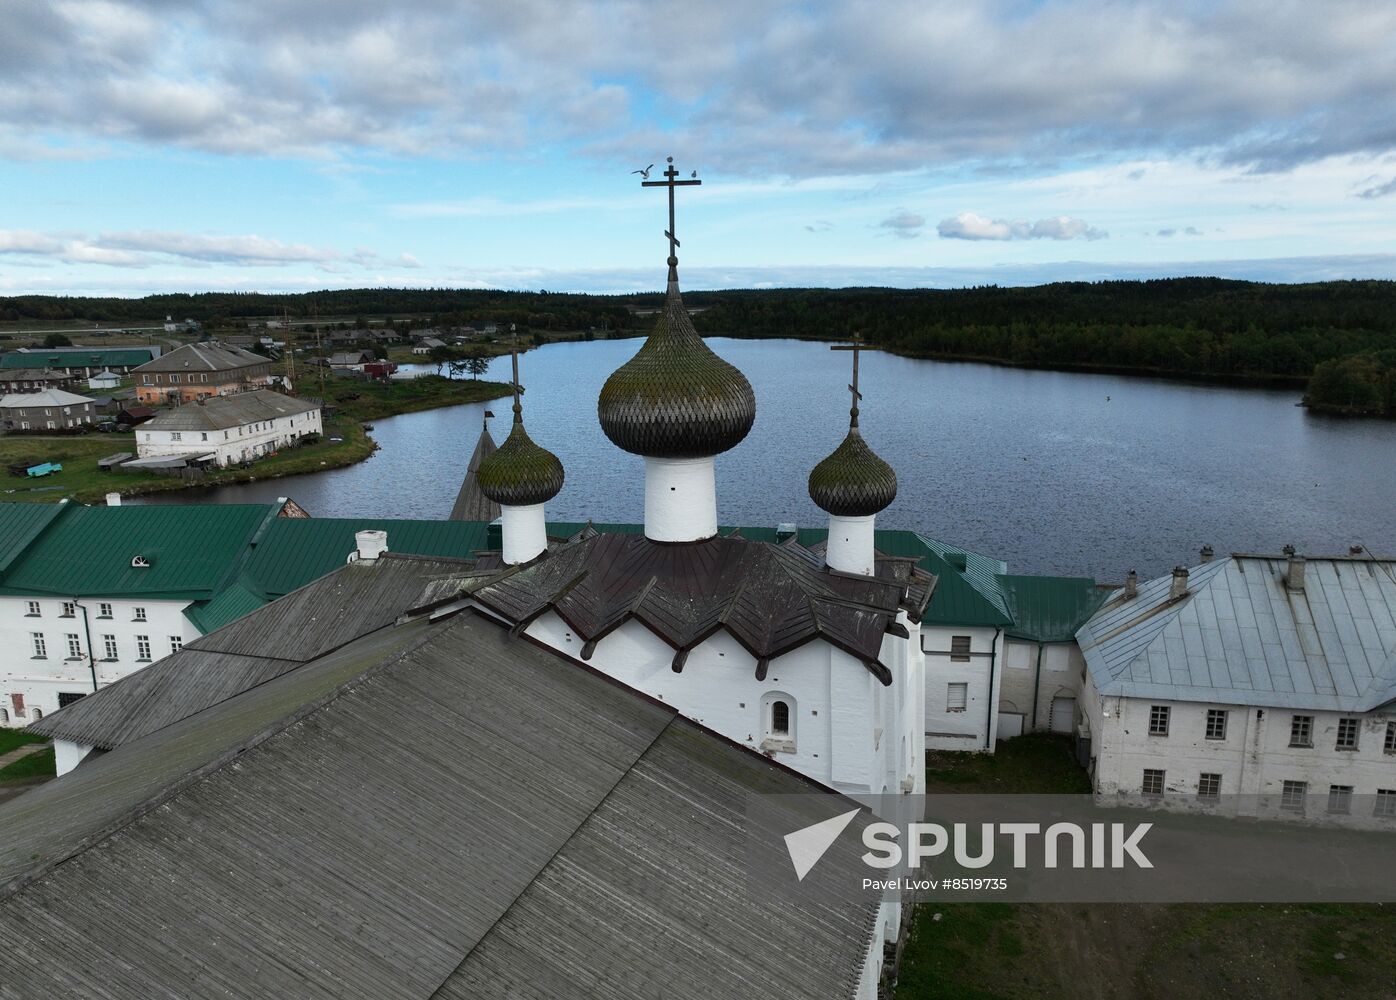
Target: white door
pixel 1063 715
pixel 1010 725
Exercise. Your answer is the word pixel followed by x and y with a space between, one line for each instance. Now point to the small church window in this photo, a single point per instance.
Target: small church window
pixel 780 718
pixel 959 648
pixel 956 696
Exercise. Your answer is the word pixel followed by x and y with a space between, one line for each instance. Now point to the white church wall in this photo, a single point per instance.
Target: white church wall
pixel 1034 674
pixel 68 755
pixel 959 675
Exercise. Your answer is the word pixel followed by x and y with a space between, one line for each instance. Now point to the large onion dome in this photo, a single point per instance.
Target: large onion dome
pixel 853 481
pixel 519 473
pixel 676 398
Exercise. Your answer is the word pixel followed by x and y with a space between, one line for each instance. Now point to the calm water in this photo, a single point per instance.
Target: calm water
pixel 1053 472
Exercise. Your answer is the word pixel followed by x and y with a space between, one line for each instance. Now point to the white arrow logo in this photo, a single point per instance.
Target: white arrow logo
pixel 808 844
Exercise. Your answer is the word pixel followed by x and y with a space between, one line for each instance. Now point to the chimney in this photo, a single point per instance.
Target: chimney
pixel 113 499
pixel 369 545
pixel 785 531
pixel 1294 570
pixel 1355 550
pixel 1207 554
pixel 1131 585
pixel 1179 587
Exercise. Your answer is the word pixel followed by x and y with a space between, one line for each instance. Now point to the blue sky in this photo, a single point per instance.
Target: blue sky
pixel 149 145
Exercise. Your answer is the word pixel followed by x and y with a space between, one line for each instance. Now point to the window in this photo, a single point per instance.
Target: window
pixel 38 715
pixel 104 610
pixel 1292 795
pixel 145 380
pixel 70 609
pixel 66 698
pixel 109 646
pixel 175 436
pixel 1385 804
pixel 959 648
pixel 203 435
pixel 33 611
pixel 1390 737
pixel 176 643
pixel 1153 781
pixel 142 648
pixel 17 701
pixel 956 696
pixel 780 718
pixel 1158 720
pixel 174 380
pixel 1216 723
pixel 74 646
pixel 1208 786
pixel 1301 731
pixel 40 646
pixel 1340 799
pixel 1347 734
pixel 137 614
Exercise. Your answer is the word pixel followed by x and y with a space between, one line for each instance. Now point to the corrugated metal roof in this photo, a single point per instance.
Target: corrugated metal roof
pixel 431 811
pixel 89 551
pixel 46 397
pixel 21 523
pixel 209 356
pixel 81 357
pixel 1239 636
pixel 1050 608
pixel 223 412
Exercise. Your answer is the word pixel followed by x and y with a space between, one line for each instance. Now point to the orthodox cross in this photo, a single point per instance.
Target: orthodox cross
pixel 671 181
pixel 855 347
pixel 514 357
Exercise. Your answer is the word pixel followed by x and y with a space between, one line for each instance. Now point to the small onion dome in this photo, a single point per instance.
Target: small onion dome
pixel 520 473
pixel 853 481
pixel 676 398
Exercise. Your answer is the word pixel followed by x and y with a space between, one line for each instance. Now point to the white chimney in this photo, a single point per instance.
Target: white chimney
pixel 369 545
pixel 1294 570
pixel 1131 584
pixel 113 499
pixel 1179 587
pixel 1207 553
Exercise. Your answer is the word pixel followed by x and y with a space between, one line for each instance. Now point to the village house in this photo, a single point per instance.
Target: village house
pixel 104 380
pixel 200 371
pixel 1269 677
pixel 426 345
pixel 33 380
pixel 352 360
pixel 51 409
pixel 225 430
pixel 79 362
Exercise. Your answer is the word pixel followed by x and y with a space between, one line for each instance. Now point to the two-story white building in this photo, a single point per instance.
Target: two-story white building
pixel 1269 677
pixel 227 430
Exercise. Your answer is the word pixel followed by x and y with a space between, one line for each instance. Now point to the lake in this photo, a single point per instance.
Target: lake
pixel 1054 472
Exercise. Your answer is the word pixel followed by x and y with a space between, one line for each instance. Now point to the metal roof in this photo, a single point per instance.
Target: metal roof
pixel 209 356
pixel 431 811
pixel 1050 608
pixel 88 551
pixel 84 357
pixel 20 524
pixel 45 397
pixel 223 412
pixel 1240 636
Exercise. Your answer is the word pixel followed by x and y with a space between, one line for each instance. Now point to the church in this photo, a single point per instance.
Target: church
pixel 522 773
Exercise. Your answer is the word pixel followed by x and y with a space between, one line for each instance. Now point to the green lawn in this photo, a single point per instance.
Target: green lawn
pixel 36 765
pixel 1000 951
pixel 363 400
pixel 13 739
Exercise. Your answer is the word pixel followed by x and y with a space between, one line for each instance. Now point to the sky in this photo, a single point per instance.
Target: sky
pixel 155 145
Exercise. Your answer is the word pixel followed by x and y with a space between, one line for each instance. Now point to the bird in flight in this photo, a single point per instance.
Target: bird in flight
pixel 644 174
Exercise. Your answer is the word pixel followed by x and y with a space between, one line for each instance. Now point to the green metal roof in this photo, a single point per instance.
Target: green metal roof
pixel 88 551
pixel 228 605
pixel 1050 608
pixel 40 357
pixel 20 524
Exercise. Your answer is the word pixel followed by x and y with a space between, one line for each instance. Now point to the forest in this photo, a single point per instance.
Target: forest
pixel 1340 333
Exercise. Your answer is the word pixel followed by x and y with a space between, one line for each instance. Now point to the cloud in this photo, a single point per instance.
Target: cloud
pixel 1185 231
pixel 819 226
pixel 145 248
pixel 799 90
pixel 1379 190
pixel 904 224
pixel 969 226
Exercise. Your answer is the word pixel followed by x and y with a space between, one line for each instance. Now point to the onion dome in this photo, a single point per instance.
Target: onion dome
pixel 519 473
pixel 676 398
pixel 853 481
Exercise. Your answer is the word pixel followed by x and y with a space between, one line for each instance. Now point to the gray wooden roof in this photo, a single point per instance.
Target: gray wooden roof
pixel 471 504
pixel 433 810
pixel 1241 637
pixel 223 412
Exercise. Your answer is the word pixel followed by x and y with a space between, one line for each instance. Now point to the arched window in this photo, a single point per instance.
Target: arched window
pixel 38 715
pixel 4 716
pixel 778 717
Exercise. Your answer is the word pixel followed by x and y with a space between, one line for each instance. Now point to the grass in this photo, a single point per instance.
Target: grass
pixel 1001 951
pixel 36 765
pixel 13 739
pixel 364 400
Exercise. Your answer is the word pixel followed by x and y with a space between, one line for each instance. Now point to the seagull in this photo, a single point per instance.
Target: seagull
pixel 644 174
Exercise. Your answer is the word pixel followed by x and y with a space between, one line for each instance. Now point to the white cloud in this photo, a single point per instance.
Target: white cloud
pixel 904 224
pixel 145 248
pixel 969 226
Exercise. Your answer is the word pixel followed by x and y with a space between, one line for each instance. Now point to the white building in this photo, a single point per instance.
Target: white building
pixel 229 429
pixel 50 409
pixel 1268 677
pixel 426 345
pixel 104 379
